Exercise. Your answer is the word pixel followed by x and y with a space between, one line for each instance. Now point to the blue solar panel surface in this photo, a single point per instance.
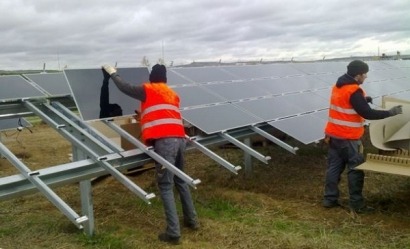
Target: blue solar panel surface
pixel 220 98
pixel 284 95
pixel 53 83
pixel 13 123
pixel 85 85
pixel 15 87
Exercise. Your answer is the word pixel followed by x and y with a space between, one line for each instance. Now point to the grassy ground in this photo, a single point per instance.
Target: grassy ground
pixel 277 207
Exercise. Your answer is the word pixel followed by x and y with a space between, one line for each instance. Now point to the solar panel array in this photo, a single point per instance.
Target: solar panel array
pixel 292 97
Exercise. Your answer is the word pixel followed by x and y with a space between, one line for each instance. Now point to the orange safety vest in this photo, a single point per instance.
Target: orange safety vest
pixel 343 121
pixel 160 115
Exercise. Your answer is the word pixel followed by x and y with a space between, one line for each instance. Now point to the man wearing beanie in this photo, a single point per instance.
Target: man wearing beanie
pixel 162 128
pixel 349 107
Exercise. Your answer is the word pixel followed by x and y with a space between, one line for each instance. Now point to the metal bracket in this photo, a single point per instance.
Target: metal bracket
pixel 34 178
pixel 245 148
pixel 150 152
pixel 94 156
pixel 85 126
pixel 274 139
pixel 214 156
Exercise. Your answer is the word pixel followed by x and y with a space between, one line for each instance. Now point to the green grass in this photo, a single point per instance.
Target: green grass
pixel 277 207
pixel 107 240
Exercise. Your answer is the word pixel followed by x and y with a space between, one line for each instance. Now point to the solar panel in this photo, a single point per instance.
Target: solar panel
pixel 273 86
pixel 85 85
pixel 238 90
pixel 307 101
pixel 397 73
pixel 269 108
pixel 329 78
pixel 174 78
pixel 262 71
pixel 306 128
pixel 380 88
pixel 398 63
pixel 402 95
pixel 13 123
pixel 16 87
pixel 193 95
pixel 304 83
pixel 204 74
pixel 324 93
pixel 377 75
pixel 219 118
pixel 53 83
pixel 257 88
pixel 378 65
pixel 320 67
pixel 289 96
pixel 284 106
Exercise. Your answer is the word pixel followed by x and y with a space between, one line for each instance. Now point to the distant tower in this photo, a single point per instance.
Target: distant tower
pixel 44 68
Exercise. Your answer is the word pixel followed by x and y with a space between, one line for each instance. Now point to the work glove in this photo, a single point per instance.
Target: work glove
pixel 106 75
pixel 369 99
pixel 109 69
pixel 396 110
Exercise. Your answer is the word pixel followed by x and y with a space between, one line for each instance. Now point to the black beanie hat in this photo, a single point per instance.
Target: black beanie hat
pixel 158 74
pixel 357 67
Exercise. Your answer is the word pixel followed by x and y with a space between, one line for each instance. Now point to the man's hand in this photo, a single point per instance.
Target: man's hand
pixel 396 110
pixel 109 69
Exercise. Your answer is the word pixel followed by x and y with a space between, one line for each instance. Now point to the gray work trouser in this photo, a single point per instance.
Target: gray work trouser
pixel 172 149
pixel 344 154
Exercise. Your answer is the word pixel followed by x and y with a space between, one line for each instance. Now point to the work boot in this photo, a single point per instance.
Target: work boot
pixel 169 239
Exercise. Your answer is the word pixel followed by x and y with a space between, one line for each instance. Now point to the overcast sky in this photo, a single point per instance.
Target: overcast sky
pixel 88 33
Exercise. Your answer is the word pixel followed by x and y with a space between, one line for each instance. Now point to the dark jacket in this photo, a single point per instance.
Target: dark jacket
pixel 108 110
pixel 359 103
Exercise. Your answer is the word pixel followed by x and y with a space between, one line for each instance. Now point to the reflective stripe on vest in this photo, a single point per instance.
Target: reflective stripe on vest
pixel 343 110
pixel 163 121
pixel 159 107
pixel 346 123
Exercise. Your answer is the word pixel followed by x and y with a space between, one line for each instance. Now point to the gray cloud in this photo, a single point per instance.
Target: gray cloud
pixel 89 33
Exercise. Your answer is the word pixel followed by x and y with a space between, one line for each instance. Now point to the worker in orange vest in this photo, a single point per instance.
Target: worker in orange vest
pixel 162 128
pixel 349 107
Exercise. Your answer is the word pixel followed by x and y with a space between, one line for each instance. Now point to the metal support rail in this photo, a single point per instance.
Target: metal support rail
pixel 69 173
pixel 245 148
pixel 214 156
pixel 81 129
pixel 101 160
pixel 274 140
pixel 34 178
pixel 91 130
pixel 150 152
